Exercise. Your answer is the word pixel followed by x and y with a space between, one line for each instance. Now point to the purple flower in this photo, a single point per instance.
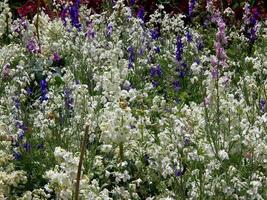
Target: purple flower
pixel 21 135
pixel 68 99
pixel 214 61
pixel 131 57
pixel 40 146
pixel 155 83
pixel 63 15
pixel 189 37
pixel 176 85
pixel 29 91
pixel 262 105
pixel 5 71
pixel 179 48
pixel 90 31
pixel 251 23
pixel 187 142
pixel 155 71
pixel 191 6
pixel 146 159
pixel 157 50
pixel 132 2
pixel 200 45
pixel 141 14
pixel 109 30
pixel 178 172
pixel 44 90
pixel 154 34
pixel 27 146
pixel 220 52
pixel 32 46
pixel 16 102
pixel 74 15
pixel 214 73
pixel 246 14
pixel 56 58
pixel 22 126
pixel 17 155
pixel 182 74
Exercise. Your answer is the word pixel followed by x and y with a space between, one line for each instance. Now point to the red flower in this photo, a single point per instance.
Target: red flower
pixel 29 7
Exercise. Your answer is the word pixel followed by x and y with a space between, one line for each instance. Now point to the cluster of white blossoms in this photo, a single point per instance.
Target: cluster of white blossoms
pixel 9 177
pixel 166 122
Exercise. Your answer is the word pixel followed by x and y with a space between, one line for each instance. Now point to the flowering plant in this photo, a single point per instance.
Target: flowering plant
pixel 119 105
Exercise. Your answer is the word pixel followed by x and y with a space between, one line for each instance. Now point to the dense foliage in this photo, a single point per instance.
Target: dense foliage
pixel 175 104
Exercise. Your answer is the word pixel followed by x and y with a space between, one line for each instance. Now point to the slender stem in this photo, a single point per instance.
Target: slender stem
pixel 85 139
pixel 218 111
pixel 121 151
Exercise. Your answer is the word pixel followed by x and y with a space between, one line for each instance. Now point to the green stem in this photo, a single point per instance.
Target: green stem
pixel 83 147
pixel 121 152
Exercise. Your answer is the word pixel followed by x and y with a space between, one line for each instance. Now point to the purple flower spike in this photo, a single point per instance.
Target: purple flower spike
pixel 44 90
pixel 179 48
pixel 74 15
pixel 191 6
pixel 141 14
pixel 214 73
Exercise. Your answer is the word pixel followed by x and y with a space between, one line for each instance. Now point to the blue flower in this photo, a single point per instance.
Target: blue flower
pixel 178 173
pixel 155 71
pixel 179 48
pixel 131 57
pixel 29 91
pixel 40 146
pixel 191 6
pixel 132 2
pixel 262 105
pixel 176 85
pixel 17 155
pixel 188 37
pixel 109 30
pixel 27 146
pixel 17 102
pixel 157 49
pixel 44 90
pixel 154 34
pixel 141 13
pixel 68 99
pixel 74 15
pixel 200 45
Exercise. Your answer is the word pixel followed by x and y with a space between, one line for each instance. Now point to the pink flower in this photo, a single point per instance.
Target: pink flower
pixel 6 71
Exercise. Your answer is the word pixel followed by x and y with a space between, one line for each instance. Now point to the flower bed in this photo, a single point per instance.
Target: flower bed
pixel 119 105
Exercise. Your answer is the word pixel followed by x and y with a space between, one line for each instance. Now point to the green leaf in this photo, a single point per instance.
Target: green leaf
pixel 58 80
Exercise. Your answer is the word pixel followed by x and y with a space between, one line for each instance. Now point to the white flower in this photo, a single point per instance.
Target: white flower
pixel 223 155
